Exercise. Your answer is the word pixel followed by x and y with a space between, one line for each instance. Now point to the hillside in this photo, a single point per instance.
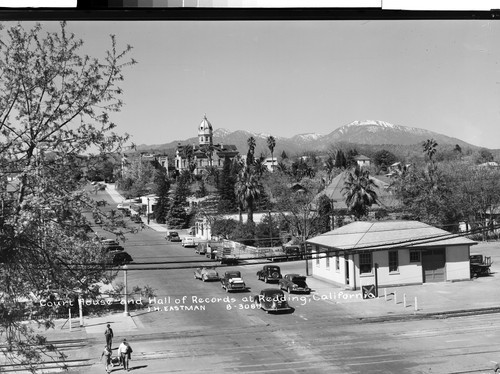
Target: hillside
pixel 368 132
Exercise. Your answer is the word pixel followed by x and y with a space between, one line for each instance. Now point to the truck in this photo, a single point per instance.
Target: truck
pixel 285 253
pixel 211 251
pixel 226 256
pixel 232 281
pixel 479 265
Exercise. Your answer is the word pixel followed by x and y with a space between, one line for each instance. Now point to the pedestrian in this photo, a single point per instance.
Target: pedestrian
pixel 125 350
pixel 109 336
pixel 107 358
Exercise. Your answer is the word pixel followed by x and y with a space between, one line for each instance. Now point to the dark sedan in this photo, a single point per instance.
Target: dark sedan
pixel 271 300
pixel 120 258
pixel 173 236
pixel 294 283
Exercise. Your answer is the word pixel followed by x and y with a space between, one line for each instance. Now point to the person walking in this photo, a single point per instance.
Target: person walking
pixel 109 336
pixel 106 353
pixel 124 350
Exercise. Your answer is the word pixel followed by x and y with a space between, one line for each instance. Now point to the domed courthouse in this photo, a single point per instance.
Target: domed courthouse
pixel 205 153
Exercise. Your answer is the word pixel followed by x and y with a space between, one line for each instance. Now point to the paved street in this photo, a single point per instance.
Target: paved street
pixel 197 327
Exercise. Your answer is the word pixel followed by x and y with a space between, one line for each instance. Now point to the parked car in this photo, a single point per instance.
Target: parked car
pixel 188 241
pixel 269 273
pixel 294 283
pixel 136 218
pixel 173 236
pixel 479 265
pixel 110 245
pixel 271 300
pixel 206 273
pixel 201 248
pixel 232 281
pixel 120 258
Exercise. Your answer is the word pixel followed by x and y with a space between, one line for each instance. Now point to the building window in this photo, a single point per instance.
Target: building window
pixel 337 262
pixel 414 256
pixel 317 255
pixel 365 263
pixel 327 259
pixel 393 261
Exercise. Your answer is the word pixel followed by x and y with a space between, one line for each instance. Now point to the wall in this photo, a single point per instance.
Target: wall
pixel 329 273
pixel 457 263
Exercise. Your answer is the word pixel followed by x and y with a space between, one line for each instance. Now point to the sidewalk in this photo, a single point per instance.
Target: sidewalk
pixel 480 295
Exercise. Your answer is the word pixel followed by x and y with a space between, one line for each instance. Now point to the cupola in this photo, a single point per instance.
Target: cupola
pixel 205 132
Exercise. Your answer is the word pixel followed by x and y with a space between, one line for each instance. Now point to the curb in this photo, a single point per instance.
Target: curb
pixel 430 315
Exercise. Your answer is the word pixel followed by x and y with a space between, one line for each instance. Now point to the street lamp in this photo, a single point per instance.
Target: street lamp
pixel 125 313
pixel 270 228
pixel 148 210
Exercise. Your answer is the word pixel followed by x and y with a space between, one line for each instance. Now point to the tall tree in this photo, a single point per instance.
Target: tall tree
pixel 360 192
pixel 271 143
pixel 248 190
pixel 227 196
pixel 430 148
pixel 162 190
pixel 54 105
pixel 251 150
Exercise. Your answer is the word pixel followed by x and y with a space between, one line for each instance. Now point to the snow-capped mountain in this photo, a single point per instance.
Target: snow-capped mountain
pixel 380 132
pixel 370 132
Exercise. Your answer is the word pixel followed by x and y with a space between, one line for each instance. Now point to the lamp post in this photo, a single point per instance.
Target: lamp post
pixel 270 228
pixel 148 210
pixel 125 312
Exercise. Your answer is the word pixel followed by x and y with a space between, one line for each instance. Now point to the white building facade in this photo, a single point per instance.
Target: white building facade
pixel 389 253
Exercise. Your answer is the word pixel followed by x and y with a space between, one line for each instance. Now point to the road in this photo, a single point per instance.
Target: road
pixel 195 326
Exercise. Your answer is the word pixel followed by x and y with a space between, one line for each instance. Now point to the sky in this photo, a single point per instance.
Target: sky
pixel 284 78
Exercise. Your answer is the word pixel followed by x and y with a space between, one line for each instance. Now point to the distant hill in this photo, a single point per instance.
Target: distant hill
pixel 368 132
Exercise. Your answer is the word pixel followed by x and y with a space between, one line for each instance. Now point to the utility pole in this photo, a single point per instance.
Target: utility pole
pixel 125 313
pixel 148 210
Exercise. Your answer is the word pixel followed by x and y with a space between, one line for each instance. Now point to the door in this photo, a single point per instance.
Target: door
pixel 346 259
pixel 434 265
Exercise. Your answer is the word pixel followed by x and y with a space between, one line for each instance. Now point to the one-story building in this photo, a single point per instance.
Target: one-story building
pixel 395 252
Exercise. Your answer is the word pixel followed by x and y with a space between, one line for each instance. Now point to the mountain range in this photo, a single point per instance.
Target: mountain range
pixel 367 132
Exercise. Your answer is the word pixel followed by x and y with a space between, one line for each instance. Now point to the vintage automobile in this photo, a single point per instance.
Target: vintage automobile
pixel 206 273
pixel 110 245
pixel 136 218
pixel 269 273
pixel 201 248
pixel 173 236
pixel 271 300
pixel 188 241
pixel 232 281
pixel 479 265
pixel 120 258
pixel 294 283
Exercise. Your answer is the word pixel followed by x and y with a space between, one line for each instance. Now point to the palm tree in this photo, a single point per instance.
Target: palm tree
pixel 259 166
pixel 359 191
pixel 271 143
pixel 251 150
pixel 248 190
pixel 430 148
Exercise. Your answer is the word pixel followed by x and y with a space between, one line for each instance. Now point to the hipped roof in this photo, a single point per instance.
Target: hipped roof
pixel 334 192
pixel 363 235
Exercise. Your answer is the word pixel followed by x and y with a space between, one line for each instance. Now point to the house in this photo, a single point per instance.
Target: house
pixel 394 252
pixel 270 163
pixel 362 161
pixel 205 153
